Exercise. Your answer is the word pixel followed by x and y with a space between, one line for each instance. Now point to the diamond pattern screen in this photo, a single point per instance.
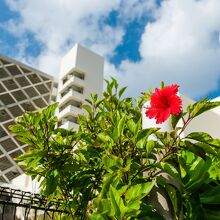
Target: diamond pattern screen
pixel 21 89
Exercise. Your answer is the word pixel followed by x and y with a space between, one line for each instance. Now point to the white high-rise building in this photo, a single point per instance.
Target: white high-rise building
pixel 81 74
pixel 22 88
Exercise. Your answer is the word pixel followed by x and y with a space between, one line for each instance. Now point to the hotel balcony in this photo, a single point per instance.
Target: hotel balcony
pixel 71 94
pixel 72 80
pixel 69 110
pixel 69 125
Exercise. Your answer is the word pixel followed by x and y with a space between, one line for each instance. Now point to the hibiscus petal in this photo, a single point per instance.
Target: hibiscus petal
pixel 176 105
pixel 151 112
pixel 163 116
pixel 164 102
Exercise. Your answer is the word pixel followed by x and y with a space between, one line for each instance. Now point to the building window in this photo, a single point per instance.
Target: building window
pixel 74 73
pixel 65 79
pixel 78 75
pixel 71 103
pixel 72 88
pixel 55 85
pixel 68 119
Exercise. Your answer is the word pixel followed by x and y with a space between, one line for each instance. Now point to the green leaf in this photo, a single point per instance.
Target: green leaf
pixel 211 196
pixel 121 91
pixel 196 210
pixel 108 180
pixel 207 148
pixel 204 138
pixel 131 125
pixel 123 189
pixel 193 148
pixel 139 191
pixel 198 173
pixel 143 136
pixel 94 96
pixel 150 90
pixel 112 163
pixel 212 214
pixel 98 102
pixel 142 143
pixel 109 87
pixel 203 106
pixel 89 101
pixel 175 119
pixel 32 154
pixel 117 202
pixel 170 169
pixel 162 85
pixel 182 167
pixel 103 206
pixel 64 132
pixel 50 110
pixel 106 207
pixel 201 148
pixel 51 184
pixel 88 109
pixel 172 192
pixel 104 138
pixel 132 206
pixel 200 136
pixel 114 82
pixel 145 133
pixel 97 217
pixel 150 146
pixel 121 125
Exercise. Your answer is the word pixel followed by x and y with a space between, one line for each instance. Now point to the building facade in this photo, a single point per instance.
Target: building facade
pixel 81 74
pixel 23 88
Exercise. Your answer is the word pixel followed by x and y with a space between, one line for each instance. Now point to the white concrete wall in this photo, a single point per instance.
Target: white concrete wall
pixel 217 110
pixel 25 183
pixel 88 62
pixel 68 61
pixel 92 64
pixel 207 122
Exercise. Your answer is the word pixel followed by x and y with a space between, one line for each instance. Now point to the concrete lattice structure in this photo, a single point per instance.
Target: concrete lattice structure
pixel 23 88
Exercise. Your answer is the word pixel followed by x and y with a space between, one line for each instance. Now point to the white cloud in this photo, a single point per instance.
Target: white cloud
pixel 181 46
pixel 134 9
pixel 57 25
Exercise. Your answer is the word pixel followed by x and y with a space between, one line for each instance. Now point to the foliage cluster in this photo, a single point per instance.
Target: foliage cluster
pixel 111 168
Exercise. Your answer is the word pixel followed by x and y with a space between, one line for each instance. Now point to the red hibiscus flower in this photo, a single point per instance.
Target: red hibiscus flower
pixel 163 103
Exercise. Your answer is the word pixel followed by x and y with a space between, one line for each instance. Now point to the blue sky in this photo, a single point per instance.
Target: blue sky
pixel 143 41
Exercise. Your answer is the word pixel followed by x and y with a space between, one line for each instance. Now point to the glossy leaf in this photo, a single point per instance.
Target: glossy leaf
pixel 203 106
pixel 117 203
